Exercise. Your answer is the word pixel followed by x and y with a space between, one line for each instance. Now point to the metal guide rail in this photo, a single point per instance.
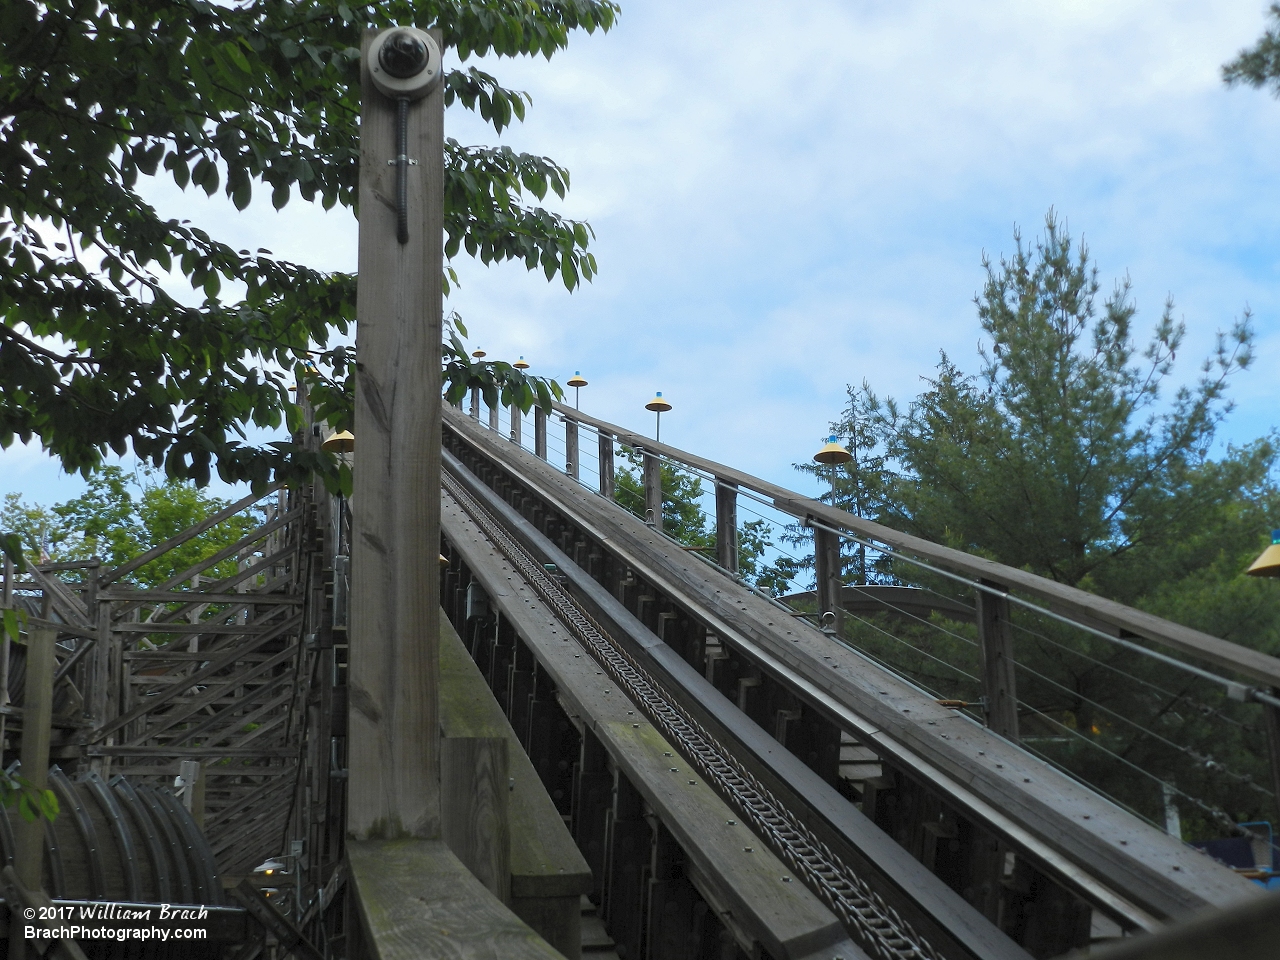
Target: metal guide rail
pixel 1030 858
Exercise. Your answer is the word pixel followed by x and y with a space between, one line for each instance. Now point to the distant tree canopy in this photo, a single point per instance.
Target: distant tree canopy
pixel 98 353
pixel 121 516
pixel 1259 65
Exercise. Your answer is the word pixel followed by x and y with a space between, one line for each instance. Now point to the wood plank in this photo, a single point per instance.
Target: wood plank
pixel 394 743
pixel 190 533
pixel 195 629
pixel 785 917
pixel 1070 601
pixel 991 781
pixel 474 801
pixel 37 705
pixel 544 859
pixel 999 682
pixel 727 525
pixel 415 899
pixel 193 596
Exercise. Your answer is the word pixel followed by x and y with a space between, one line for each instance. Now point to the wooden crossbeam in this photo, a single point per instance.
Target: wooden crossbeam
pixel 184 710
pixel 190 533
pixel 215 667
pixel 188 629
pixel 218 727
pixel 195 597
pixel 70 607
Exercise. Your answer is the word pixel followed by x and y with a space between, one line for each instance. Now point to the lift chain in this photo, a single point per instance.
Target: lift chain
pixel 874 924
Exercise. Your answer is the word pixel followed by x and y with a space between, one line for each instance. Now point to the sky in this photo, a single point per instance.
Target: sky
pixel 790 198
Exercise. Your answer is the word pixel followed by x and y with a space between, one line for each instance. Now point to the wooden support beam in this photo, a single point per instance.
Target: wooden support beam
pixel 606 465
pixel 571 447
pixel 1271 720
pixel 37 717
pixel 653 491
pixel 494 423
pixel 540 432
pixel 828 569
pixel 727 525
pixel 475 403
pixel 394 749
pixel 999 686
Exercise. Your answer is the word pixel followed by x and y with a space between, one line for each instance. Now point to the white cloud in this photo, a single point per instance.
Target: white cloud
pixel 789 198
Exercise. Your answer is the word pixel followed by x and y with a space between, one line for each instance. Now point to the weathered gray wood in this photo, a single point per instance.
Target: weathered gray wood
pixel 547 871
pixel 191 532
pixel 475 403
pixel 1271 721
pixel 415 899
pixel 183 596
pixel 37 716
pixel 1248 930
pixel 540 432
pixel 474 819
pixel 727 524
pixel 999 682
pixel 1069 601
pixel 605 442
pixel 394 785
pixel 1023 801
pixel 571 447
pixel 493 418
pixel 827 571
pixel 652 491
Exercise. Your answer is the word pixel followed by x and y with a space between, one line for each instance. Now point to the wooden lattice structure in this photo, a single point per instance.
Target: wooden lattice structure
pixel 225 669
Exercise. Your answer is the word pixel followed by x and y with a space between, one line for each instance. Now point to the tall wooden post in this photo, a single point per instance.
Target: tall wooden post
pixel 394 632
pixel 727 525
pixel 37 717
pixel 475 403
pixel 998 683
pixel 493 419
pixel 827 567
pixel 517 421
pixel 606 466
pixel 571 447
pixel 653 491
pixel 540 432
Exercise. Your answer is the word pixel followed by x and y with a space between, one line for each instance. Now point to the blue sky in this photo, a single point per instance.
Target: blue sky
pixel 790 198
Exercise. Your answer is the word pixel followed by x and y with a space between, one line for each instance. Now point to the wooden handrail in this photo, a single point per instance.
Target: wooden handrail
pixel 1078 605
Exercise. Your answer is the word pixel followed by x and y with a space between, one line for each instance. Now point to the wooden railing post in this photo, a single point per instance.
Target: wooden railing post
pixel 37 719
pixel 517 421
pixel 493 419
pixel 727 525
pixel 999 687
pixel 827 569
pixel 571 447
pixel 394 632
pixel 540 432
pixel 606 465
pixel 475 403
pixel 1271 720
pixel 653 491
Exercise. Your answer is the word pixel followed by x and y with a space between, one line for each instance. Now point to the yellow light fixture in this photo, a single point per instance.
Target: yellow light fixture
pixel 657 404
pixel 659 407
pixel 1268 565
pixel 577 381
pixel 478 354
pixel 341 442
pixel 520 364
pixel 833 453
